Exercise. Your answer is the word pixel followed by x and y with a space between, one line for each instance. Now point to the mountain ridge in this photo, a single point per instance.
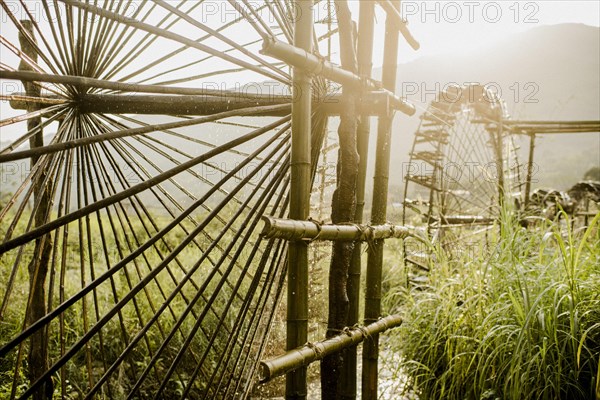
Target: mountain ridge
pixel 550 72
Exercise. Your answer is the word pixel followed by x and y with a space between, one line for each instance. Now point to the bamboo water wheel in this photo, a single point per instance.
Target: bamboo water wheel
pixel 154 136
pixel 463 165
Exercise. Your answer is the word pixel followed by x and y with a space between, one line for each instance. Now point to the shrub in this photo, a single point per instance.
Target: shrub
pixel 522 322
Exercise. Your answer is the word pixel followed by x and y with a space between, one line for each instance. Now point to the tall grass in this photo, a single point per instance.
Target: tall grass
pixel 521 321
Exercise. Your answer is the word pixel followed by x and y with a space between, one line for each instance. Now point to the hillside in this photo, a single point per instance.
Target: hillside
pixel 549 72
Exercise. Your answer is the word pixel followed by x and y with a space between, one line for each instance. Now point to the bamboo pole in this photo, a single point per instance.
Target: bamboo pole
pixel 549 122
pixel 373 103
pixel 400 22
pixel 496 137
pixel 297 291
pixel 379 215
pixel 518 127
pixel 302 356
pixel 343 204
pixel 310 230
pixel 529 169
pixel 348 387
pixel 315 65
pixel 561 131
pixel 38 265
pixel 85 82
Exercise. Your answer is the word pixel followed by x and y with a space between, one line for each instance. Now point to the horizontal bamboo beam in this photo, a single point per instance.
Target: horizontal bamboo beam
pixel 311 352
pixel 546 127
pixel 85 82
pixel 548 122
pixel 174 105
pixel 315 65
pixel 373 103
pixel 400 23
pixel 555 131
pixel 310 230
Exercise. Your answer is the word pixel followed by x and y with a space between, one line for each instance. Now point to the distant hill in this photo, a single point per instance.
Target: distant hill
pixel 561 62
pixel 549 72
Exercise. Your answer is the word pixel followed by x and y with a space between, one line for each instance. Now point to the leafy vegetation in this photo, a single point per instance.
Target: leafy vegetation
pixel 89 364
pixel 518 321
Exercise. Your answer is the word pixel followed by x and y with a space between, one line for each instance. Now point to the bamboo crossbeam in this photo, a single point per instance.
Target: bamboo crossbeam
pixel 547 127
pixel 557 131
pixel 400 22
pixel 373 103
pixel 311 352
pixel 315 65
pixel 549 122
pixel 176 105
pixel 311 230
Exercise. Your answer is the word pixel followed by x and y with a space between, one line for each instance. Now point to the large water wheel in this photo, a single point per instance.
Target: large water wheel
pixel 154 136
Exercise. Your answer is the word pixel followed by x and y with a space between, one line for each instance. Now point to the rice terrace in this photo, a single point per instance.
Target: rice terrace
pixel 299 199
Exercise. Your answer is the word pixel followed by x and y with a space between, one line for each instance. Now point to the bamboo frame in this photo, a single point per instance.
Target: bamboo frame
pixel 311 352
pixel 297 292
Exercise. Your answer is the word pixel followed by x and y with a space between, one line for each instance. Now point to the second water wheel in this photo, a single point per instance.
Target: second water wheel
pixel 463 165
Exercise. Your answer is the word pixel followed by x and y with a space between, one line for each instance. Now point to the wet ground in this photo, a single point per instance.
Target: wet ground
pixel 391 380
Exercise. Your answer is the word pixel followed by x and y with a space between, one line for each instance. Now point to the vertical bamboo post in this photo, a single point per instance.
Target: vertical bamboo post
pixel 343 205
pixel 365 55
pixel 38 266
pixel 529 168
pixel 379 214
pixel 297 291
pixel 500 165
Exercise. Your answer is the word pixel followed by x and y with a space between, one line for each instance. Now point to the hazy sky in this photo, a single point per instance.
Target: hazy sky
pixel 450 26
pixel 440 27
